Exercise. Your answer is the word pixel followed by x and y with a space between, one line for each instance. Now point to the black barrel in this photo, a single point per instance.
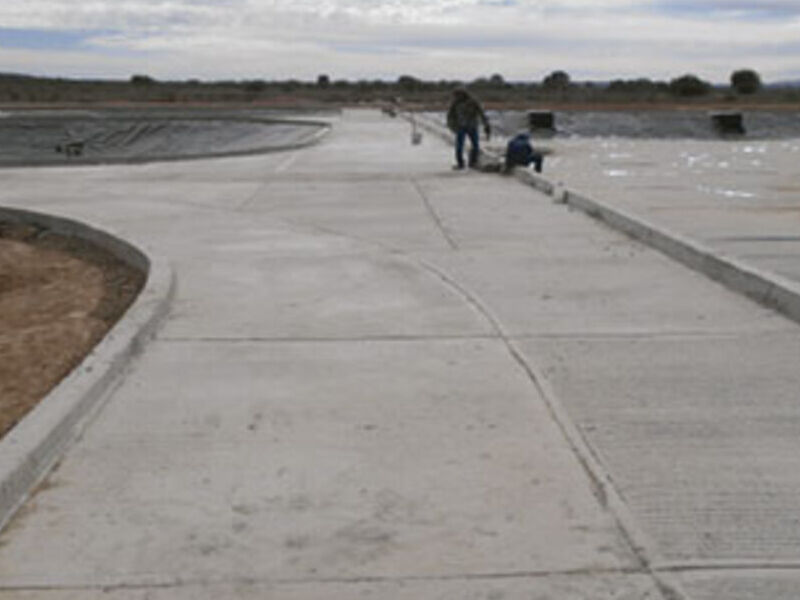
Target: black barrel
pixel 728 123
pixel 541 119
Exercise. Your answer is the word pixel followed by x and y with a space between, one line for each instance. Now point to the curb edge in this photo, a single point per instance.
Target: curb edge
pixel 765 287
pixel 34 446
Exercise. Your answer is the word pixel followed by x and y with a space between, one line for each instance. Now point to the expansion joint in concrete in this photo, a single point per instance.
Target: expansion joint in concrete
pixel 177 583
pixel 641 336
pixel 712 566
pixel 601 481
pixel 327 340
pixel 434 215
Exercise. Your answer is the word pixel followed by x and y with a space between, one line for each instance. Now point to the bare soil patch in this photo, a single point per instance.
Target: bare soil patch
pixel 58 297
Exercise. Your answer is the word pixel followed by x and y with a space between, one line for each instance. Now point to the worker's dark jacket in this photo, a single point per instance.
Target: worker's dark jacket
pixel 464 113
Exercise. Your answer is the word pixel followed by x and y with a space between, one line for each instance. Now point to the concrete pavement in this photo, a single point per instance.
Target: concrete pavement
pixel 738 197
pixel 381 378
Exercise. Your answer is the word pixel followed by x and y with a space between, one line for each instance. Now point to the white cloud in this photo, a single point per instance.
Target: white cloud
pixel 429 38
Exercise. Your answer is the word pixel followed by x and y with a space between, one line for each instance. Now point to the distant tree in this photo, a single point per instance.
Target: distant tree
pixel 142 80
pixel 557 80
pixel 640 86
pixel 689 86
pixel 323 82
pixel 745 81
pixel 290 85
pixel 408 83
pixel 497 80
pixel 255 86
pixel 618 86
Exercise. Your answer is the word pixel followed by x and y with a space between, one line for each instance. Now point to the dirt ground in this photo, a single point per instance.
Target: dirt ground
pixel 58 298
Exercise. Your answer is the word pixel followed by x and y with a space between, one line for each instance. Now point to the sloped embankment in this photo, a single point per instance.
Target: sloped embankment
pixel 80 137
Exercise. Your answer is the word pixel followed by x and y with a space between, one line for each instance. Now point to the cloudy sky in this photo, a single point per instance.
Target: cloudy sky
pixel 370 39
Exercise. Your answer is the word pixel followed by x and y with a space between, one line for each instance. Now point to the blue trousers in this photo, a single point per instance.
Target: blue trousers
pixel 461 135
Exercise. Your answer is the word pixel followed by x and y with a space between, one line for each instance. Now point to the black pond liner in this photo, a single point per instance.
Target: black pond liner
pixel 101 137
pixel 655 124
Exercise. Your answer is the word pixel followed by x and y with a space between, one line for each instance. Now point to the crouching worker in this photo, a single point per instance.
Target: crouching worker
pixel 462 119
pixel 519 152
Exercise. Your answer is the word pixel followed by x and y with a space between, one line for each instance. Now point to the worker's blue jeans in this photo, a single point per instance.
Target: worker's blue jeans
pixel 474 151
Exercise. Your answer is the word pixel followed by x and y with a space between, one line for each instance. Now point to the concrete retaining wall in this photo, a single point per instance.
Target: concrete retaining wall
pixel 35 444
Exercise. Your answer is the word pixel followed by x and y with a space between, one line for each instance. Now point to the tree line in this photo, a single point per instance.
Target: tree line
pixel 556 87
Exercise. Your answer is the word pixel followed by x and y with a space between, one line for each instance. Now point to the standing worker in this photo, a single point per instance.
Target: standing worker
pixel 462 119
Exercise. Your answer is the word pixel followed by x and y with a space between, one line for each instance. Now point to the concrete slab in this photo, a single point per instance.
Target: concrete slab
pixel 535 296
pixel 544 270
pixel 697 432
pixel 331 297
pixel 334 407
pixel 390 213
pixel 488 211
pixel 367 142
pixel 607 587
pixel 708 190
pixel 331 460
pixel 747 585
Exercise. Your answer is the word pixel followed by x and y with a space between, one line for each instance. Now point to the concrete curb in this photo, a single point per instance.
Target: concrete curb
pixel 34 446
pixel 765 287
pixel 641 546
pixel 525 175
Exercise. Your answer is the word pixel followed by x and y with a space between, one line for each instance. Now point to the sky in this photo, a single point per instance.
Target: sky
pixel 522 40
